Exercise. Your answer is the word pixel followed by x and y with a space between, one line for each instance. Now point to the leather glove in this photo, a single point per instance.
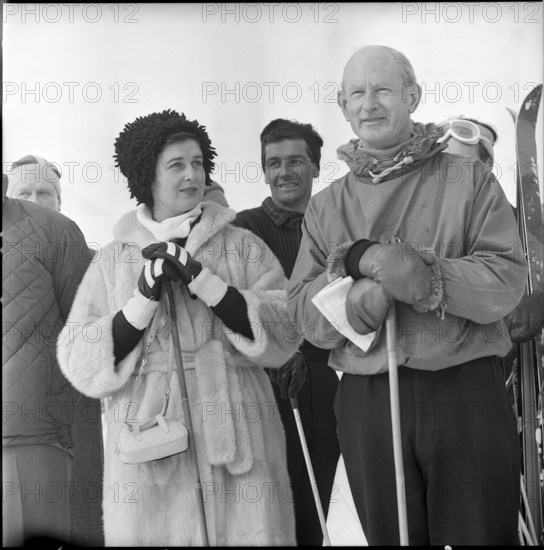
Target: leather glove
pixel 399 269
pixel 367 304
pixel 291 376
pixel 150 281
pixel 200 281
pixel 139 310
pixel 176 257
pixel 527 319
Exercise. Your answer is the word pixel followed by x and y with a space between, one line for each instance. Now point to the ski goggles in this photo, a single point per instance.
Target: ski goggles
pixel 466 131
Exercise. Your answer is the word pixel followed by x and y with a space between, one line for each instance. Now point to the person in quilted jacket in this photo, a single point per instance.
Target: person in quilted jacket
pixel 33 178
pixel 44 259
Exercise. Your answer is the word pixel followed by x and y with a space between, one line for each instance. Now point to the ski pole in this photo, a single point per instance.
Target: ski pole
pixel 302 437
pixel 187 415
pixel 391 340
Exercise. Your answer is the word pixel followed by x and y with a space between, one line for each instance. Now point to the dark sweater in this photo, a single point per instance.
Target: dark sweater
pixel 281 230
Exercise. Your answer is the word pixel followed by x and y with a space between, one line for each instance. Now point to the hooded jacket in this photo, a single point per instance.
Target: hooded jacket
pixel 448 206
pixel 238 433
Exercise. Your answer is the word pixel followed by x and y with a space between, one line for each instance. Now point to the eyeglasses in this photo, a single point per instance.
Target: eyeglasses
pixel 463 131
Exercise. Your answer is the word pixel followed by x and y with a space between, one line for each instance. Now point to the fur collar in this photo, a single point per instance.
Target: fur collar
pixel 214 218
pixel 421 145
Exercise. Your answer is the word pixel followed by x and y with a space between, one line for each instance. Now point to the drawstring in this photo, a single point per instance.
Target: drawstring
pixel 377 178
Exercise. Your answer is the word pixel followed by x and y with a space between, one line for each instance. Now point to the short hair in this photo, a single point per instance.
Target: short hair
pixel 408 73
pixel 281 129
pixel 42 166
pixel 140 143
pixel 33 159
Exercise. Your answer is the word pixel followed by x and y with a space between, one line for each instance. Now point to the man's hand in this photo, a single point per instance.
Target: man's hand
pixel 399 269
pixel 177 258
pixel 291 376
pixel 527 319
pixel 367 304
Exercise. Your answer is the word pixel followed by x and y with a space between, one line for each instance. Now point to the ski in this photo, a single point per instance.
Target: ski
pixel 530 370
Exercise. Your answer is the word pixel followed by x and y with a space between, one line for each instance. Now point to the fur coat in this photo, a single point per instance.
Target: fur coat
pixel 239 437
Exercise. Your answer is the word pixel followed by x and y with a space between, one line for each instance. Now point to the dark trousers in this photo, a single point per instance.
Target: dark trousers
pixel 316 408
pixel 460 451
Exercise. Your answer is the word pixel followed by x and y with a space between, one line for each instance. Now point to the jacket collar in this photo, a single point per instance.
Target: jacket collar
pixel 423 144
pixel 278 215
pixel 214 217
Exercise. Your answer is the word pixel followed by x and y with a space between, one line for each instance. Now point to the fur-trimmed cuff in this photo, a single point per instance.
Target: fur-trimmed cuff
pixel 208 287
pixel 435 301
pixel 336 267
pixel 139 310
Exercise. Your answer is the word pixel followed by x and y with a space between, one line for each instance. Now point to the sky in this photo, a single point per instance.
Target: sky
pixel 75 74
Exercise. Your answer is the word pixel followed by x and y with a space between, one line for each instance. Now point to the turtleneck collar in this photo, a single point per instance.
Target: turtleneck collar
pixel 171 228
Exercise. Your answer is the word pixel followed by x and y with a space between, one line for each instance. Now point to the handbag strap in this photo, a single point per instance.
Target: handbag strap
pixel 149 336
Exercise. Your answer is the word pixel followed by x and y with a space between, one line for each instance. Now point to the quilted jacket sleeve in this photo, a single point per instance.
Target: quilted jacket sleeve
pixel 69 268
pixel 85 345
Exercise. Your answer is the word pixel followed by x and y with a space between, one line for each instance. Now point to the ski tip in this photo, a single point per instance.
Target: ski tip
pixel 532 101
pixel 513 113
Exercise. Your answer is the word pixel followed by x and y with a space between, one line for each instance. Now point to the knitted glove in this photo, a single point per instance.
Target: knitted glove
pixel 367 304
pixel 291 376
pixel 527 319
pixel 397 267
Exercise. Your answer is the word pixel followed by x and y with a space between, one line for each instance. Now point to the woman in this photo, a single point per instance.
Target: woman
pixel 232 321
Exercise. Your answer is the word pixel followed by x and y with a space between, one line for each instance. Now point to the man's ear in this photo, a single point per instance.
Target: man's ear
pixel 412 94
pixel 340 98
pixel 315 171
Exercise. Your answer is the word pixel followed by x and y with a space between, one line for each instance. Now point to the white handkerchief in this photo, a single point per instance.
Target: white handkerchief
pixel 331 301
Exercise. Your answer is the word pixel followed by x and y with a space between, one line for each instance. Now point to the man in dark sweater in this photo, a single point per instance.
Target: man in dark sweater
pixel 290 155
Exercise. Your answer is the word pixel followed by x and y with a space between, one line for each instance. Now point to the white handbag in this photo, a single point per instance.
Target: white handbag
pixel 158 437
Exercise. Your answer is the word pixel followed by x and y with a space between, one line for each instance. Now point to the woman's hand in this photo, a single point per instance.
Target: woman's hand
pixel 177 258
pixel 200 281
pixel 149 283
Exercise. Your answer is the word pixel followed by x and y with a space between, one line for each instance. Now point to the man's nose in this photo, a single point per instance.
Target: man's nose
pixel 283 170
pixel 370 100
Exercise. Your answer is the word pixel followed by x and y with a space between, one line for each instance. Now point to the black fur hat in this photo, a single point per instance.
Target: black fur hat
pixel 140 143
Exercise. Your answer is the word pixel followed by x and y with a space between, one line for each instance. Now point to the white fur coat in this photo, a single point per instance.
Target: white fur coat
pixel 238 432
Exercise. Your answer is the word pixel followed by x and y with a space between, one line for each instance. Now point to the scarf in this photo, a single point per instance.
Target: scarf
pixel 363 164
pixel 171 228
